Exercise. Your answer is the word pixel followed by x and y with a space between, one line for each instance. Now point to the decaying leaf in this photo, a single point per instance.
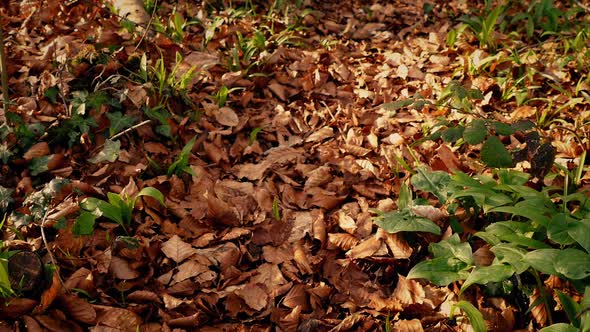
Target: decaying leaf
pixel 176 249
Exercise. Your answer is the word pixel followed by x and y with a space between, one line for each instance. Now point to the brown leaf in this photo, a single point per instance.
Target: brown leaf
pixel 38 150
pixel 254 296
pixel 366 248
pixel 176 249
pixel 297 297
pixel 121 269
pixel 408 291
pixel 78 309
pixel 343 241
pixel 189 269
pixel 403 325
pixel 49 294
pixel 119 318
pixel 227 117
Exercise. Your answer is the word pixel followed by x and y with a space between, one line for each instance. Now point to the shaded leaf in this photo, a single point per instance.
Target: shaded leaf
pixel 494 153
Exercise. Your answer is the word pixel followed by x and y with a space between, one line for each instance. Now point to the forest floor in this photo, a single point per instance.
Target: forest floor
pixel 274 133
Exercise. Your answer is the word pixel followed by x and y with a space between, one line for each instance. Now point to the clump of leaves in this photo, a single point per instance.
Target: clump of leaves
pixel 181 164
pixel 532 232
pixel 118 208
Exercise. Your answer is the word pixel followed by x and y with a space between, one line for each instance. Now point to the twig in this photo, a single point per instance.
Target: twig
pixel 583 6
pixel 147 29
pixel 130 129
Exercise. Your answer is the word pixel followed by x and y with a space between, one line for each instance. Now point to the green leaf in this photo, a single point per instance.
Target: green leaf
pixel 515 232
pixel 579 230
pixel 452 247
pixel 475 132
pixel 475 317
pixel 503 128
pixel 558 229
pixel 405 197
pixel 494 153
pixel 182 162
pixel 153 193
pixel 110 152
pixel 119 122
pixel 38 165
pixel 395 105
pixel 571 263
pixel 431 181
pixel 486 274
pixel 84 224
pixel 405 221
pixel 253 135
pixel 584 312
pixel 559 327
pixel 440 271
pixel 511 254
pixel 51 94
pixel 451 135
pixel 527 210
pixel 570 307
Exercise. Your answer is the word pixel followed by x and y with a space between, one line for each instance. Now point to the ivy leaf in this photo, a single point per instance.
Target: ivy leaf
pixel 451 135
pixel 110 152
pixel 39 165
pixel 475 132
pixel 119 122
pixel 84 224
pixel 494 153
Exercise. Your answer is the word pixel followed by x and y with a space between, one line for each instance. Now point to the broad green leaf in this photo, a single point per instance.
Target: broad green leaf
pixel 461 179
pixel 494 153
pixel 119 122
pixel 110 152
pixel 475 317
pixel 585 314
pixel 395 105
pixel 405 221
pixel 38 165
pixel 570 307
pixel 515 232
pixel 4 279
pixel 84 224
pixel 524 209
pixel 452 247
pixel 503 128
pixel 451 135
pixel 515 178
pixel 571 263
pixel 431 181
pixel 558 229
pixel 440 271
pixel 559 327
pixel 475 132
pixel 487 198
pixel 580 231
pixel 486 274
pixel 511 254
pixel 153 193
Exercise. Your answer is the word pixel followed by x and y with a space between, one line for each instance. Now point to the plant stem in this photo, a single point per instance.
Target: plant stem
pixel 4 78
pixel 543 294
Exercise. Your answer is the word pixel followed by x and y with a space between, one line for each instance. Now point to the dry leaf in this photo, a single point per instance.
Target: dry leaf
pixel 176 249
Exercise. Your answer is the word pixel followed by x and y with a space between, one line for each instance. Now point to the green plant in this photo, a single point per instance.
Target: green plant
pixel 118 208
pixel 181 164
pixel 5 287
pixel 529 232
pixel 484 27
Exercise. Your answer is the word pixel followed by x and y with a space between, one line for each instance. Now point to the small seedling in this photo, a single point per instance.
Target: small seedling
pixel 181 164
pixel 118 209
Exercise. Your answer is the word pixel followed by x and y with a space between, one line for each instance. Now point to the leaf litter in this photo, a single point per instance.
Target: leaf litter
pixel 270 226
